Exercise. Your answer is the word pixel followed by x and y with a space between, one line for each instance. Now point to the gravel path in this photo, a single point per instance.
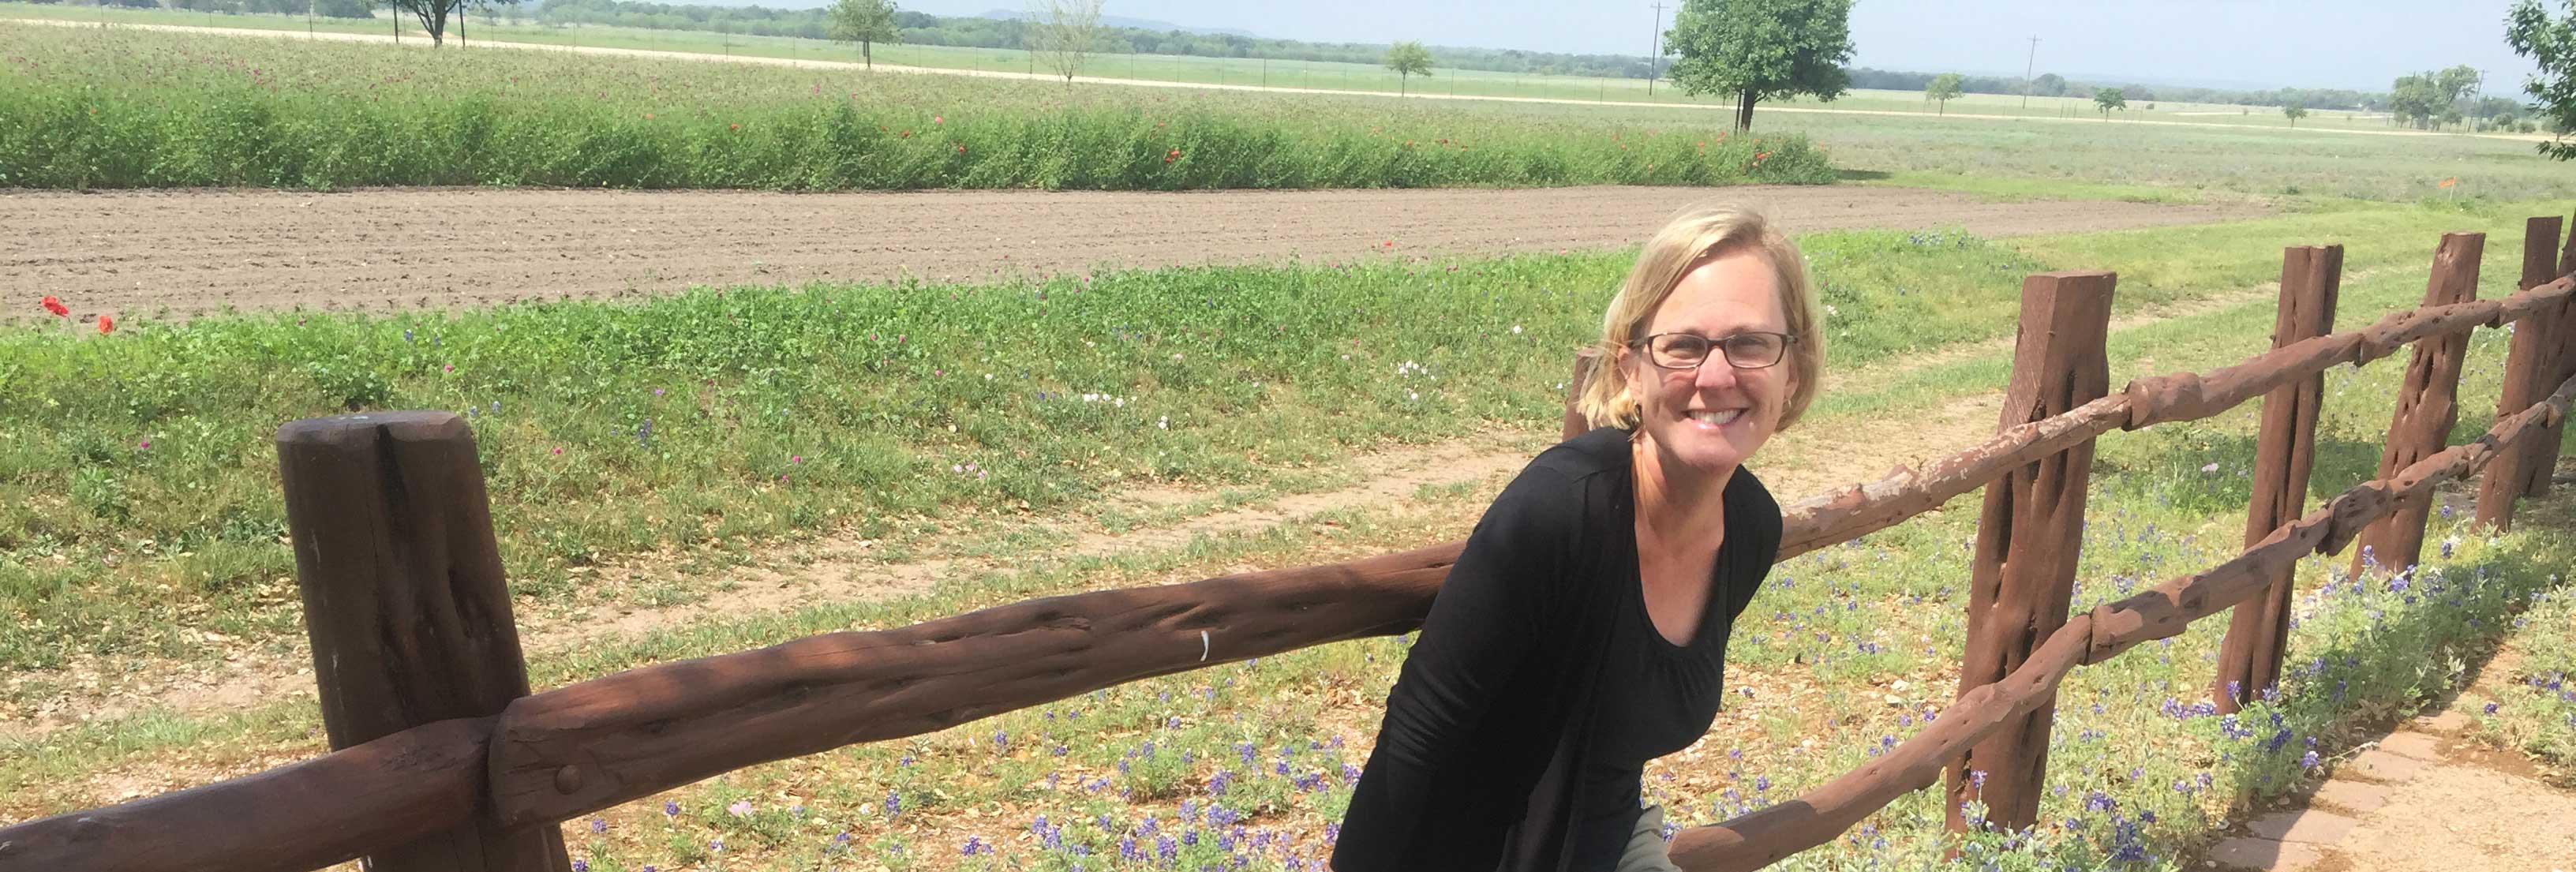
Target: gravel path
pixel 196 251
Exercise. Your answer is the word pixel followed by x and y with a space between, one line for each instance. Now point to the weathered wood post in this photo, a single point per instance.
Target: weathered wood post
pixel 2426 406
pixel 2029 537
pixel 1584 361
pixel 2249 660
pixel 2533 357
pixel 2548 438
pixel 404 602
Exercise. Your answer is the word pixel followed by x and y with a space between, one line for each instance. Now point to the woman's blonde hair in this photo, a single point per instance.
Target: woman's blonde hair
pixel 1693 237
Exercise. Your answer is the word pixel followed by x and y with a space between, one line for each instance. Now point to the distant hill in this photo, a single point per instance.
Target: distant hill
pixel 1138 23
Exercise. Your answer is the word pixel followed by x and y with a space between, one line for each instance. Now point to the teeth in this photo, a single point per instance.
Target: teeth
pixel 1717 418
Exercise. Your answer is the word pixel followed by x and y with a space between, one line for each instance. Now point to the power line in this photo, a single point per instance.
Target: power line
pixel 1659 49
pixel 2026 67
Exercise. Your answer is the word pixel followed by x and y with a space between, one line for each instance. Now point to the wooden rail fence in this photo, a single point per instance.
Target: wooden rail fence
pixel 443 762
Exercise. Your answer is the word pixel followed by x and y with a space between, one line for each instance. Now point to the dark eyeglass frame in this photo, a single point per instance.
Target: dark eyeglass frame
pixel 1647 344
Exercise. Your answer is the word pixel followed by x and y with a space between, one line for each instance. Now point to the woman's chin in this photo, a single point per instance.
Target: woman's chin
pixel 1710 453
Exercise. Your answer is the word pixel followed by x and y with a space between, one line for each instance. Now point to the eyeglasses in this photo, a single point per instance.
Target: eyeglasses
pixel 1748 350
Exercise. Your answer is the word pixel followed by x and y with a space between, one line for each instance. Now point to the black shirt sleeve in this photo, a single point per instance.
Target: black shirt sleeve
pixel 1473 642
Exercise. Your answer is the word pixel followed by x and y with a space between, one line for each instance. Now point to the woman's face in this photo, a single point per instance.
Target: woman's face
pixel 1711 418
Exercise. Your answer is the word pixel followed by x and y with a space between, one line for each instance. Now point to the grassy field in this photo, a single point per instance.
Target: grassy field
pixel 1205 70
pixel 1162 376
pixel 312 117
pixel 140 523
pixel 122 108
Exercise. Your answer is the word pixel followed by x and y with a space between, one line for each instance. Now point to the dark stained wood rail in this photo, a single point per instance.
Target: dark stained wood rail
pixel 601 742
pixel 1763 837
pixel 330 809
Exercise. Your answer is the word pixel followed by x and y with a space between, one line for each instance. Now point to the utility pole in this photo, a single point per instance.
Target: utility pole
pixel 2026 67
pixel 1659 49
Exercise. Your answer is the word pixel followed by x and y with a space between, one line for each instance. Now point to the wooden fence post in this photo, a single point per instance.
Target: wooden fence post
pixel 2249 660
pixel 2546 458
pixel 2427 406
pixel 404 602
pixel 2029 537
pixel 2534 356
pixel 1575 423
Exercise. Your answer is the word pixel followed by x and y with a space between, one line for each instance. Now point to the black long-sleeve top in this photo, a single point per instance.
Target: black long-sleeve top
pixel 1523 715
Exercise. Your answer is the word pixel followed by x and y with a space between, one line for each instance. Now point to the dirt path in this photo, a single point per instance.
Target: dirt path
pixel 1427 94
pixel 197 251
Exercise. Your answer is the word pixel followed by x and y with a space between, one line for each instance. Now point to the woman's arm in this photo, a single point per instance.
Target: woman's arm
pixel 1482 626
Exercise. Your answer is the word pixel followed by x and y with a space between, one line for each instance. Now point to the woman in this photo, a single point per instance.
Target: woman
pixel 1583 630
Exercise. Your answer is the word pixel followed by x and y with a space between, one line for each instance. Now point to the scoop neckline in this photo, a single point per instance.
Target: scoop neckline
pixel 1717 587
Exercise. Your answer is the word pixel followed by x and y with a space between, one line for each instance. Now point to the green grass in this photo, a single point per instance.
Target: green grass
pixel 1362 77
pixel 2136 770
pixel 2533 708
pixel 582 124
pixel 139 508
pixel 92 108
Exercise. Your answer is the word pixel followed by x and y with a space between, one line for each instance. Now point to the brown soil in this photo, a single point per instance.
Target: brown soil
pixel 197 251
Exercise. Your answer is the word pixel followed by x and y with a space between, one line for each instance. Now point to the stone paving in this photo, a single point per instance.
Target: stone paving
pixel 2421 798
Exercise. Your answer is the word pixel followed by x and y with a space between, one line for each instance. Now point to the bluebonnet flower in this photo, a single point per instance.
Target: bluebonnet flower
pixel 598 825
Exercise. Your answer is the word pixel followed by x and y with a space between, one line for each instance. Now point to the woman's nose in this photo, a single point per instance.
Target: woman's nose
pixel 1716 373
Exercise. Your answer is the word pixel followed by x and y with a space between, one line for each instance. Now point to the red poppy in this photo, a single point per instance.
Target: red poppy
pixel 736 126
pixel 106 324
pixel 961 149
pixel 56 306
pixel 1175 155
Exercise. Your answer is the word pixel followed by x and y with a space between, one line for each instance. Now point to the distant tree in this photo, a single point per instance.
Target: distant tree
pixel 344 8
pixel 1407 59
pixel 432 14
pixel 1943 89
pixel 2295 111
pixel 1761 50
pixel 2107 99
pixel 866 22
pixel 2416 100
pixel 2049 85
pixel 2552 46
pixel 1066 32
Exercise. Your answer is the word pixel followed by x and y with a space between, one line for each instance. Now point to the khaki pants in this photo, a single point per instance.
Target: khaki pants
pixel 1646 847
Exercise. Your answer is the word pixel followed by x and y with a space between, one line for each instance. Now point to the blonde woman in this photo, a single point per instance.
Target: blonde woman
pixel 1583 631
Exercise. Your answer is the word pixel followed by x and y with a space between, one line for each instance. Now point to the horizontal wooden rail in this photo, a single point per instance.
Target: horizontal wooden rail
pixel 600 742
pixel 1760 838
pixel 307 815
pixel 2191 396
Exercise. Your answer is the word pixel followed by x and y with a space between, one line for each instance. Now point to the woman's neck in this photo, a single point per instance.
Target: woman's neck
pixel 1674 499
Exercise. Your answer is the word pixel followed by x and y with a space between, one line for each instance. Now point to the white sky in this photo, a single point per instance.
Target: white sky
pixel 2360 44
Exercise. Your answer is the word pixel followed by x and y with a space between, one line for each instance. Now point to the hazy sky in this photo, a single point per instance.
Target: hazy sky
pixel 2361 44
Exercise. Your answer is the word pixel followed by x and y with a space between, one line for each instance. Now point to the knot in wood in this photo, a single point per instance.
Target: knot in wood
pixel 568 779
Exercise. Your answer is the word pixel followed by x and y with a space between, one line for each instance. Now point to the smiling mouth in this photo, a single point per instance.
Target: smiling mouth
pixel 1717 418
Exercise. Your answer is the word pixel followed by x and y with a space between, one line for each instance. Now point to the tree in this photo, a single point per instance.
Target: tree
pixel 1761 50
pixel 1944 88
pixel 1407 59
pixel 2552 45
pixel 2417 100
pixel 2049 85
pixel 2295 111
pixel 866 22
pixel 2107 99
pixel 1067 31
